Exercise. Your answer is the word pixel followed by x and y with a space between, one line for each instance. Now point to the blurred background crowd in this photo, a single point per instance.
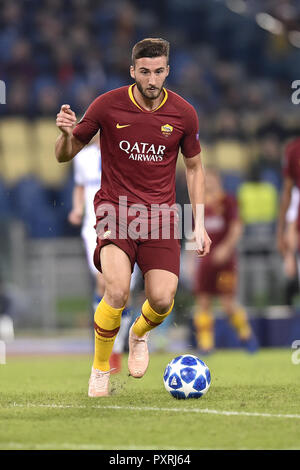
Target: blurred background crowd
pixel 234 60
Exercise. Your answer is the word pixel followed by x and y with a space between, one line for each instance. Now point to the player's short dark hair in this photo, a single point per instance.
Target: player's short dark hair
pixel 150 47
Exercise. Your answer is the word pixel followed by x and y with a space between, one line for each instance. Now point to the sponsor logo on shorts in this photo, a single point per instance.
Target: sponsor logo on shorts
pixel 107 234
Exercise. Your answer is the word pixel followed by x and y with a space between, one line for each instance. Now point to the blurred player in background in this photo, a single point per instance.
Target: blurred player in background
pixel 87 178
pixel 290 259
pixel 142 127
pixel 216 274
pixel 288 226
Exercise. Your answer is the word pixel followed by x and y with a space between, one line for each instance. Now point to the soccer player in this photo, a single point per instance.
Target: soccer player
pixel 291 178
pixel 216 274
pixel 87 178
pixel 142 127
pixel 290 258
pixel 288 225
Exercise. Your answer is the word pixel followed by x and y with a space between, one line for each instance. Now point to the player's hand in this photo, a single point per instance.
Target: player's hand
pixel 75 217
pixel 66 119
pixel 203 246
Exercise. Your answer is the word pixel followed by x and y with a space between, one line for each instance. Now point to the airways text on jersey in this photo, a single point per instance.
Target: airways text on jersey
pixel 143 151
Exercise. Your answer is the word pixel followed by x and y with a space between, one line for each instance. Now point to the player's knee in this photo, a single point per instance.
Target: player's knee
pixel 116 296
pixel 161 302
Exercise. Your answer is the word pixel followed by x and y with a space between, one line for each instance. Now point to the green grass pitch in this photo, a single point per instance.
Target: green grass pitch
pixel 253 403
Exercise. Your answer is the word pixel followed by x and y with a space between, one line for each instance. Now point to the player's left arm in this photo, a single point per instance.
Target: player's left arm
pixel 195 179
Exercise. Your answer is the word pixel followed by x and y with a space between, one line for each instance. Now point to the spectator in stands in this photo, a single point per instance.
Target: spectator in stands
pixel 267 166
pixel 258 202
pixel 40 64
pixel 229 151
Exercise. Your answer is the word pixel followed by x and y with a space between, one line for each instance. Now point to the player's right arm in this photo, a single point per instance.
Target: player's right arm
pixel 66 146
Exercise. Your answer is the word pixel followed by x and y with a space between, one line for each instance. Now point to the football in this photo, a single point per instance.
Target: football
pixel 187 376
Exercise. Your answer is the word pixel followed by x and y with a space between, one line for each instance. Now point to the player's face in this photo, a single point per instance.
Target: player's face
pixel 150 74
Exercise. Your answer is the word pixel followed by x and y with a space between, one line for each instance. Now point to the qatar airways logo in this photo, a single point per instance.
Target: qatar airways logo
pixel 143 151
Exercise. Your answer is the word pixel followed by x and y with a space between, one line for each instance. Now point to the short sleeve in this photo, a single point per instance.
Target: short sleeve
pixel 190 145
pixel 89 124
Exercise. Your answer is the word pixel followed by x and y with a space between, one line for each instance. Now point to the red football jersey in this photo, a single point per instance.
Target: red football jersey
pixel 219 218
pixel 291 167
pixel 139 148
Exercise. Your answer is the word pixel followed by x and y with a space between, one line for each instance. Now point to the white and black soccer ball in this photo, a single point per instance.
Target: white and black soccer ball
pixel 187 376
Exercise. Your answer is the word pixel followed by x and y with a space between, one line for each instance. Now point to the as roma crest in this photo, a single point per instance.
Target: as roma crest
pixel 166 130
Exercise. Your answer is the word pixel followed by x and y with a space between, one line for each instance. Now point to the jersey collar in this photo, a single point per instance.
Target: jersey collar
pixel 130 93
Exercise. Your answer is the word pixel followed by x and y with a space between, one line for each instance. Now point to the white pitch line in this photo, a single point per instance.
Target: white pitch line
pixel 149 408
pixel 74 446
